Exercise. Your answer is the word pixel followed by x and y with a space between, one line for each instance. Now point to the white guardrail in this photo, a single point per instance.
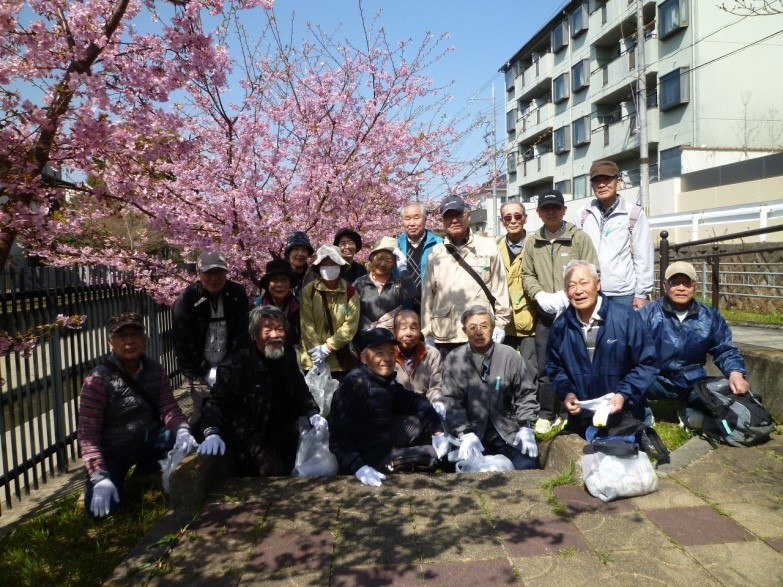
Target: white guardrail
pixel 761 213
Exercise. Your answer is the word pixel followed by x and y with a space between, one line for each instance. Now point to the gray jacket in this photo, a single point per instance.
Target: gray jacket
pixel 507 399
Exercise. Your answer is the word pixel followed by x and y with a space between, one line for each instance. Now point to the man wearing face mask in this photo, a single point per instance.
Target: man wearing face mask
pixel 257 401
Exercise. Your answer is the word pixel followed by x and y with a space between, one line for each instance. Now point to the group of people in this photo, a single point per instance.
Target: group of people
pixel 462 342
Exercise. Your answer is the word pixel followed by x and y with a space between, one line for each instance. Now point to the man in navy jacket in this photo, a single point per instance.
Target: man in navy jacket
pixel 598 347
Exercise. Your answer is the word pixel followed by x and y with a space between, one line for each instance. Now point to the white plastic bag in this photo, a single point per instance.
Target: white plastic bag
pixel 322 387
pixel 171 462
pixel 600 407
pixel 313 458
pixel 485 463
pixel 608 477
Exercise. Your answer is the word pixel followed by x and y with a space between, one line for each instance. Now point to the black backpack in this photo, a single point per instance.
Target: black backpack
pixel 737 420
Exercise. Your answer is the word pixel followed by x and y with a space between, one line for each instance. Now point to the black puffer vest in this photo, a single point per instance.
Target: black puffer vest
pixel 129 420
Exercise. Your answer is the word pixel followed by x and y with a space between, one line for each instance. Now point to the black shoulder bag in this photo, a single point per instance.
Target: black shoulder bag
pixel 454 253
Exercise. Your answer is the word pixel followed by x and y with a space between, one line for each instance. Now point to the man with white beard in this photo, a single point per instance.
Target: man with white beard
pixel 255 405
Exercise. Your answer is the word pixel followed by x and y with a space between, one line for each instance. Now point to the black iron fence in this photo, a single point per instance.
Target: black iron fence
pixel 40 390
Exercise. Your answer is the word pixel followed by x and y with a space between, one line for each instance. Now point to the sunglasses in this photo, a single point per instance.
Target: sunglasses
pixel 515 216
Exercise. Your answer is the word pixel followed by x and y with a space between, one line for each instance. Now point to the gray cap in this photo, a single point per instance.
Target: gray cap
pixel 212 260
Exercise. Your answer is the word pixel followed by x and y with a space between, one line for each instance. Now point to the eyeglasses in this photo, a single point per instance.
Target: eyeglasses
pixel 515 216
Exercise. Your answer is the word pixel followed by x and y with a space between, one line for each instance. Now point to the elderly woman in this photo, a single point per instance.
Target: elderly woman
pixel 382 293
pixel 329 315
pixel 277 290
pixel 349 242
pixel 297 251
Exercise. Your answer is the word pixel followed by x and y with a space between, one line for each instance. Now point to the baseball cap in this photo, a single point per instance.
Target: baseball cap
pixel 124 319
pixel 605 167
pixel 452 203
pixel 551 197
pixel 212 260
pixel 680 267
pixel 375 337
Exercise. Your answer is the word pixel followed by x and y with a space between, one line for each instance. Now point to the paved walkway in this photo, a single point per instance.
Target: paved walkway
pixel 717 521
pixel 764 337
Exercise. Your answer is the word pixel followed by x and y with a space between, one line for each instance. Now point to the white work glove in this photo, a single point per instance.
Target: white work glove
pixel 402 260
pixel 546 301
pixel 370 476
pixel 561 302
pixel 185 441
pixel 211 377
pixel 470 447
pixel 318 423
pixel 319 353
pixel 429 341
pixel 102 495
pixel 441 445
pixel 498 334
pixel 440 407
pixel 525 441
pixel 212 445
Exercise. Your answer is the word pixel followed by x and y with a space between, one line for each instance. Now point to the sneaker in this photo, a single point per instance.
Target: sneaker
pixel 542 426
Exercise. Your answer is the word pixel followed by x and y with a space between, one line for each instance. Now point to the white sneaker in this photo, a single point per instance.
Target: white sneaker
pixel 542 426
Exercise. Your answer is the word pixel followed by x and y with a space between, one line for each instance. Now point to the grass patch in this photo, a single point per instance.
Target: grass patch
pixel 65 546
pixel 743 316
pixel 565 477
pixel 667 425
pixel 604 556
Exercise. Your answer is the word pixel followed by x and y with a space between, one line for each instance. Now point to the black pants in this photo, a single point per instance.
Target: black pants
pixel 546 394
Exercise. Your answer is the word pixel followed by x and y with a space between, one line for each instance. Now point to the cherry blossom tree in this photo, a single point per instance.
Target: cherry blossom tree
pixel 209 151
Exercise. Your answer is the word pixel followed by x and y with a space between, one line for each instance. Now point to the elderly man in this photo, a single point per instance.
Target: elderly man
pixel 418 365
pixel 521 327
pixel 376 421
pixel 127 416
pixel 684 331
pixel 489 395
pixel 597 347
pixel 544 257
pixel 621 235
pixel 210 321
pixel 462 271
pixel 257 401
pixel 415 245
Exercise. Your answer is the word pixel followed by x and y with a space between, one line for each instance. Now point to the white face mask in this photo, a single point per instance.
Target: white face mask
pixel 329 272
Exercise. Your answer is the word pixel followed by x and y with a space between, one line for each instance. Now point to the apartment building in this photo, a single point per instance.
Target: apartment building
pixel 713 81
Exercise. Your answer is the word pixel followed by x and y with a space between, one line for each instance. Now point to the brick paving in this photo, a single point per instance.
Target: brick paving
pixel 716 521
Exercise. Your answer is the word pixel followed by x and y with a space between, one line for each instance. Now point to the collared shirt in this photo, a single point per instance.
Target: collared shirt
pixel 590 329
pixel 605 214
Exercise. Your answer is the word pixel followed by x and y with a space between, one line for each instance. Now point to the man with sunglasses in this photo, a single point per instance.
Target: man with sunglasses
pixel 521 326
pixel 621 235
pixel 684 331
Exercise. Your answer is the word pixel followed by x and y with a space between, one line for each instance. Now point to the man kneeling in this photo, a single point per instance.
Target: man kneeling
pixel 257 401
pixel 375 420
pixel 489 395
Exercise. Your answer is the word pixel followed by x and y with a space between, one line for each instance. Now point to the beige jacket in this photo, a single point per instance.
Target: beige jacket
pixel 448 289
pixel 523 317
pixel 315 331
pixel 423 375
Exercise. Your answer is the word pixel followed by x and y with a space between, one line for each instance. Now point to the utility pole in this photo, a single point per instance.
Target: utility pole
pixel 641 112
pixel 494 208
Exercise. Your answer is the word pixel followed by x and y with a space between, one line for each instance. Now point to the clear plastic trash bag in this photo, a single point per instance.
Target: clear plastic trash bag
pixel 322 387
pixel 171 462
pixel 485 463
pixel 609 477
pixel 313 458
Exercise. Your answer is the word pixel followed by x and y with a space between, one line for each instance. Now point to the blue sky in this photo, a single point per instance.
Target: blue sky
pixel 484 34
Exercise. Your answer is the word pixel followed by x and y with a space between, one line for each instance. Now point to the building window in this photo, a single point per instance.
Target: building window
pixel 674 88
pixel 580 186
pixel 581 131
pixel 671 163
pixel 511 121
pixel 563 186
pixel 562 139
pixel 579 19
pixel 559 36
pixel 580 75
pixel 511 163
pixel 672 16
pixel 560 89
pixel 510 78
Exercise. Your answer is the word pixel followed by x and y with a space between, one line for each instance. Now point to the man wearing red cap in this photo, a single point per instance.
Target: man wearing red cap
pixel 621 235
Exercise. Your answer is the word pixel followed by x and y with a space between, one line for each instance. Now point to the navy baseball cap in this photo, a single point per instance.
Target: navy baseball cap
pixel 376 336
pixel 452 203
